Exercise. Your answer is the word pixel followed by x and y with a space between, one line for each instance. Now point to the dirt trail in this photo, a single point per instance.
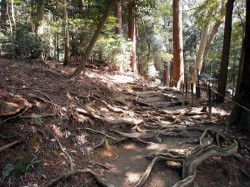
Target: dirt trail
pixel 108 123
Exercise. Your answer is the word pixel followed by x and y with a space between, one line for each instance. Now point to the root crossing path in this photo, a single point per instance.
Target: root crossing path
pixel 155 140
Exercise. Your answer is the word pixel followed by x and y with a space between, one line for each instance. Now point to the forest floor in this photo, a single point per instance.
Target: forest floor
pixel 111 129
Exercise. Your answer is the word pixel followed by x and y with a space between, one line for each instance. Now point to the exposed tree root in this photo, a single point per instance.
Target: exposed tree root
pixel 199 154
pixel 110 107
pixel 67 175
pixel 110 120
pixel 136 135
pixel 106 135
pixel 72 165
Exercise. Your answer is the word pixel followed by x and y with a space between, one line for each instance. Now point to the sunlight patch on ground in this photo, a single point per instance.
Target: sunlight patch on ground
pixel 158 147
pixel 133 177
pixel 130 146
pixel 117 78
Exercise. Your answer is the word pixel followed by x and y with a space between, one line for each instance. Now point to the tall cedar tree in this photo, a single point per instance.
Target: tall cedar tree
pixel 240 116
pixel 66 34
pixel 178 64
pixel 132 33
pixel 118 14
pixel 225 52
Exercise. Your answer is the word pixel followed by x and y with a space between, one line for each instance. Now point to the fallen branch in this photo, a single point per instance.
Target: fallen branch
pixel 9 145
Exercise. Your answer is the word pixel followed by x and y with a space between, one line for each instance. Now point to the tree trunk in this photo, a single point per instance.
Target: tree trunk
pixel 4 16
pixel 200 54
pixel 66 34
pixel 225 52
pixel 12 24
pixel 240 116
pixel 85 56
pixel 39 24
pixel 178 64
pixel 118 14
pixel 212 35
pixel 132 35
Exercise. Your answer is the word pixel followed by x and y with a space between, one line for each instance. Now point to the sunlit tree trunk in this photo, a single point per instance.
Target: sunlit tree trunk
pixel 211 37
pixel 118 14
pixel 178 64
pixel 200 54
pixel 240 115
pixel 118 28
pixel 85 56
pixel 12 24
pixel 132 34
pixel 222 84
pixel 66 34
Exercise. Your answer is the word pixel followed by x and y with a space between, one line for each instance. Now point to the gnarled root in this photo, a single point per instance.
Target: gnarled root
pixel 199 154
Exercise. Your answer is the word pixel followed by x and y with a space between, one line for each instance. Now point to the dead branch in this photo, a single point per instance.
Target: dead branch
pixel 9 145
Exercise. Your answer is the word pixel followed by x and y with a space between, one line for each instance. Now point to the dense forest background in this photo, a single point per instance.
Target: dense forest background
pixel 62 30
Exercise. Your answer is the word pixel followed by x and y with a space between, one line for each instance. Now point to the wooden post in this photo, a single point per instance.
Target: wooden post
pixel 186 84
pixel 198 89
pixel 183 89
pixel 166 74
pixel 210 103
pixel 192 93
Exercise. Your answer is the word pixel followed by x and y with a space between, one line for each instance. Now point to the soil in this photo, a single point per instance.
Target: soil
pixel 107 122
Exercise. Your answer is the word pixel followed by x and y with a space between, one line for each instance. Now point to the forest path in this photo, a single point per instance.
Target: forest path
pixel 177 128
pixel 106 125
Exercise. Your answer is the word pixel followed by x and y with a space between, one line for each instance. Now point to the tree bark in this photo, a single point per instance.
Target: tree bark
pixel 4 16
pixel 85 56
pixel 178 64
pixel 240 116
pixel 132 34
pixel 39 24
pixel 118 14
pixel 12 23
pixel 212 35
pixel 200 54
pixel 66 34
pixel 225 52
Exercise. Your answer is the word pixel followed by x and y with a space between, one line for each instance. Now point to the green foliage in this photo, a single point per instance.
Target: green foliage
pixel 208 11
pixel 155 31
pixel 27 44
pixel 37 119
pixel 114 49
pixel 20 168
pixel 7 171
